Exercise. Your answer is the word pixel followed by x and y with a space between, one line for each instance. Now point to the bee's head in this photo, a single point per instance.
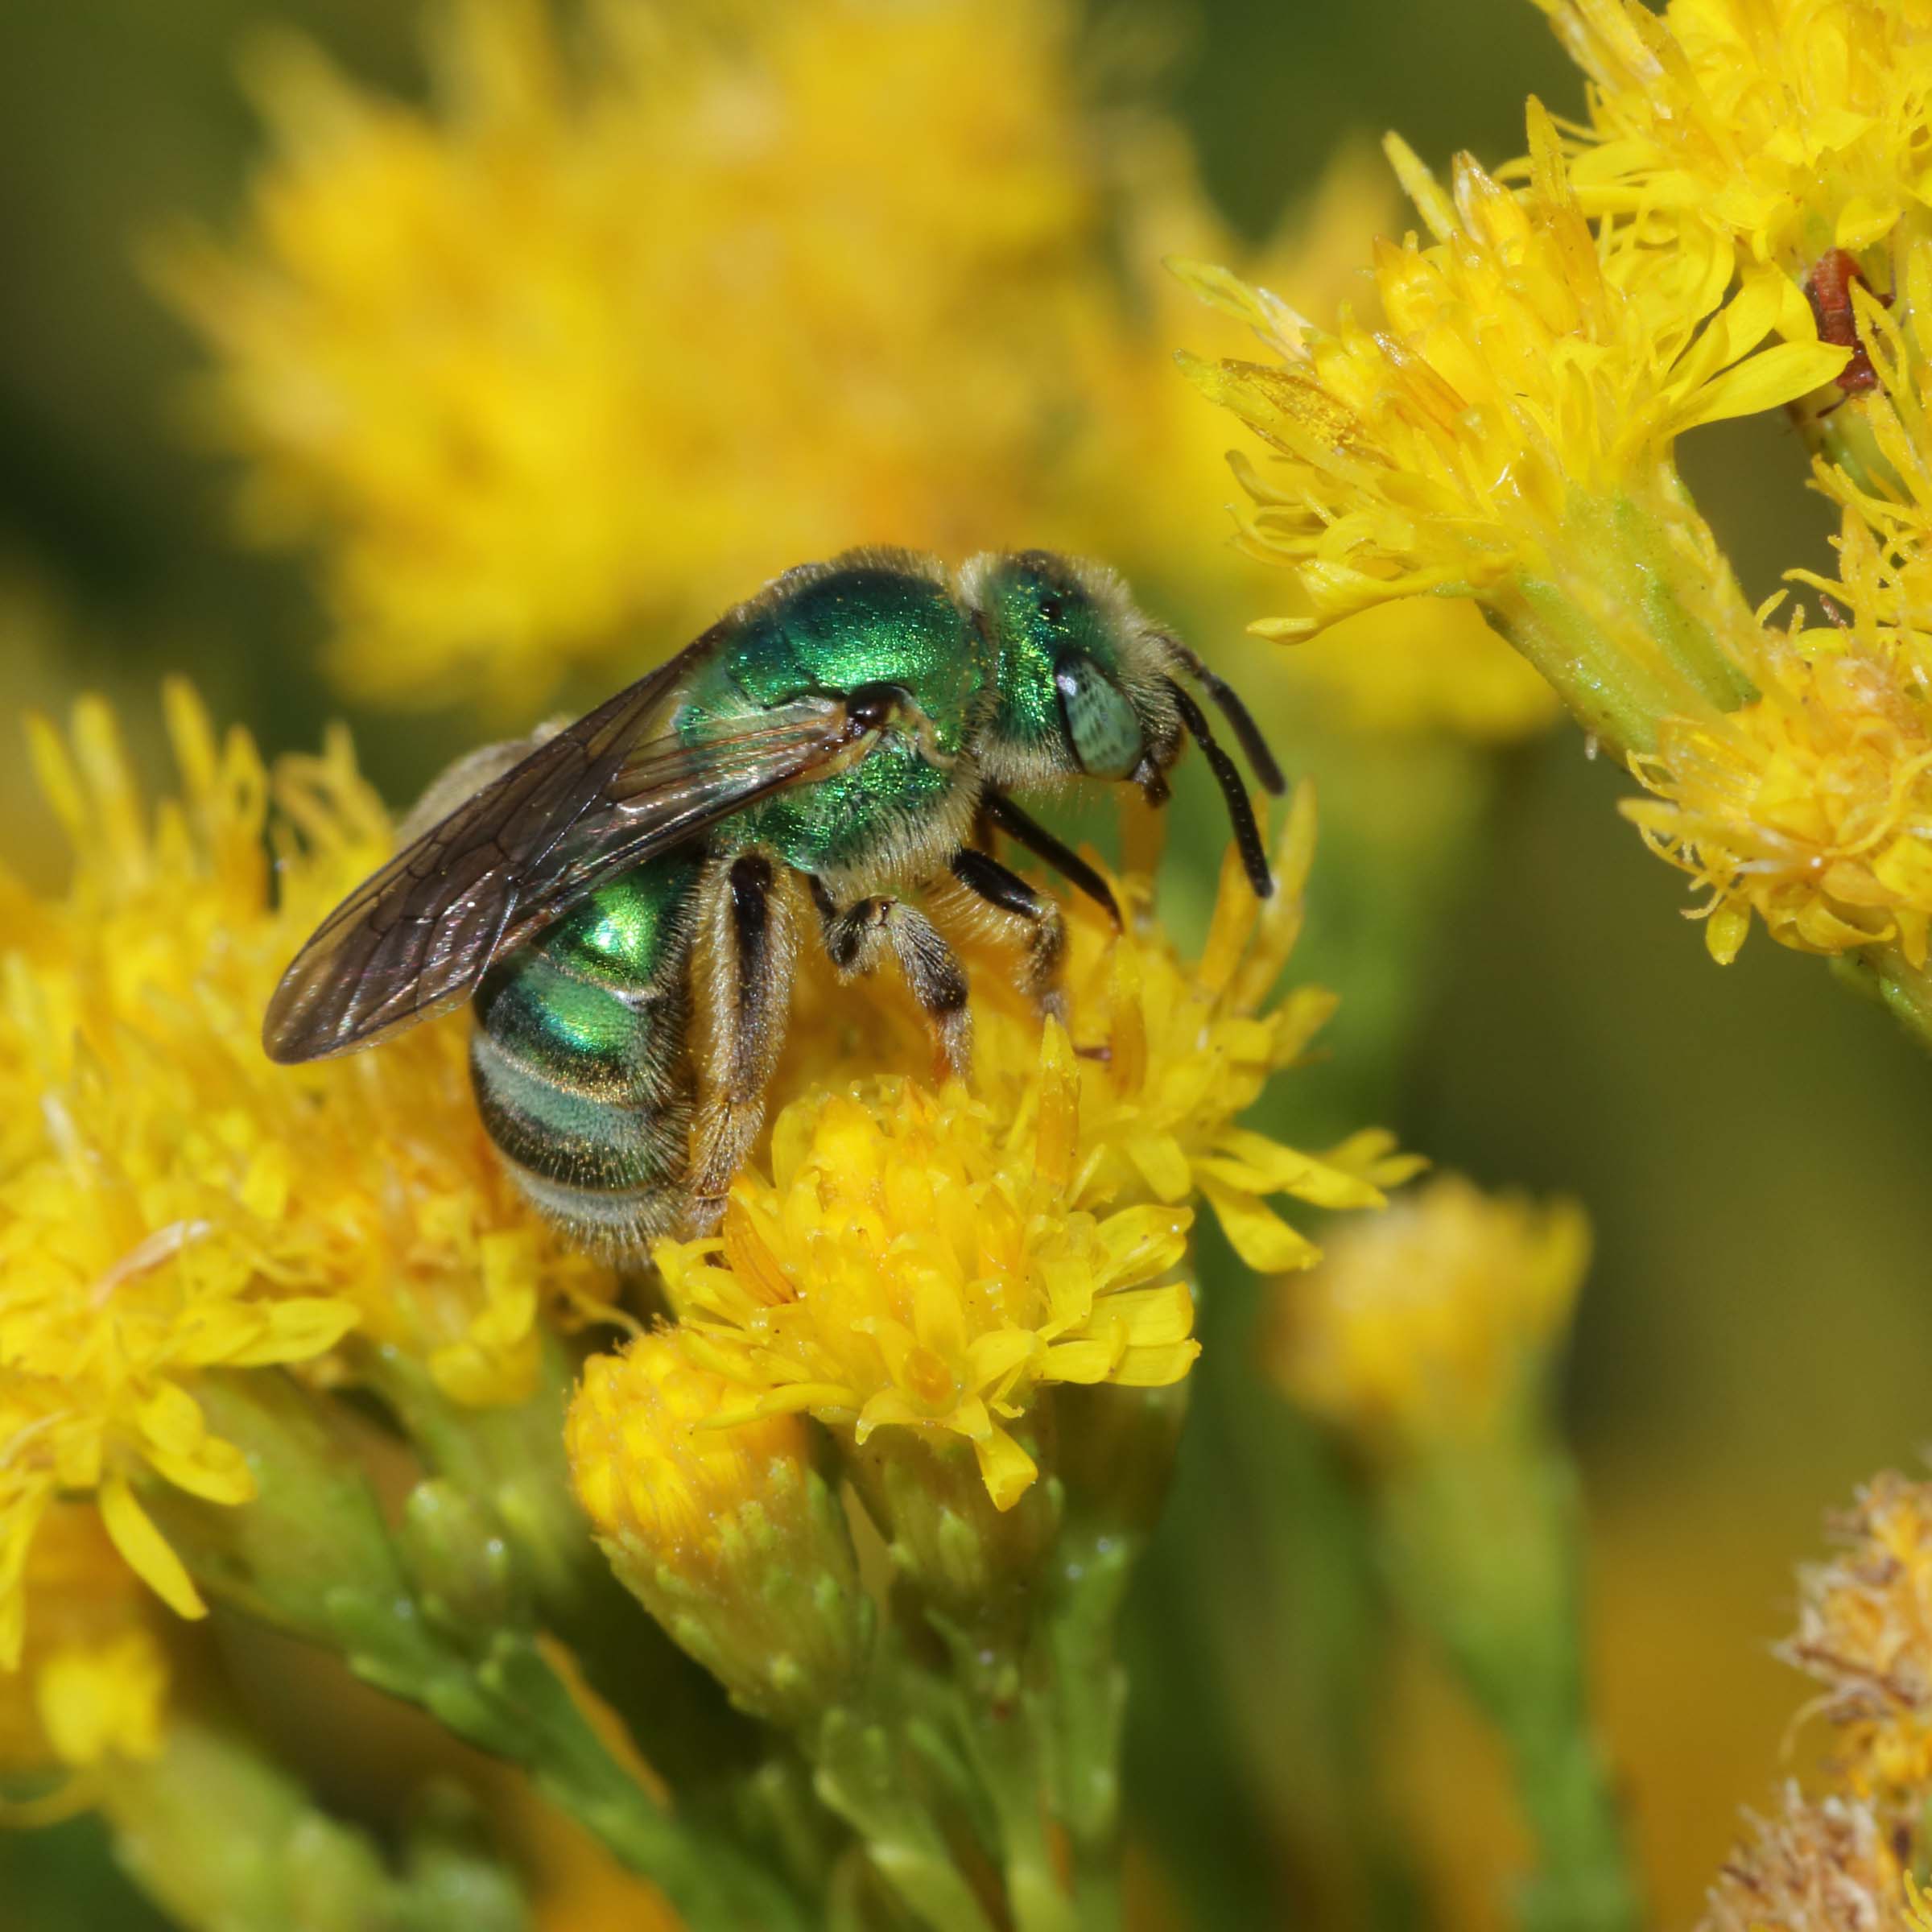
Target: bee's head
pixel 1089 687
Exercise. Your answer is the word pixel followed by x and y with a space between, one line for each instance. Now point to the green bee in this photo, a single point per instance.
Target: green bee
pixel 857 728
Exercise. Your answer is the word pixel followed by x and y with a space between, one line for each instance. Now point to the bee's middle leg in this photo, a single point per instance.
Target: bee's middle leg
pixel 856 936
pixel 1036 916
pixel 749 946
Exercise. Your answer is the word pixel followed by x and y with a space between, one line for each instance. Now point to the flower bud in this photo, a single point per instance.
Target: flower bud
pixel 725 1534
pixel 946 1535
pixel 1432 1323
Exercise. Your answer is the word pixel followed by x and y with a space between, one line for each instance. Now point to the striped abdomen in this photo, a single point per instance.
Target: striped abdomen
pixel 581 1062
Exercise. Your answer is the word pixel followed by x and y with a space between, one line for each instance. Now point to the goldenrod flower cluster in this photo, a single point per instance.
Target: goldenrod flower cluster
pixel 1845 1856
pixel 1865 1631
pixel 1793 127
pixel 934 1264
pixel 909 1270
pixel 468 342
pixel 718 1524
pixel 1425 1342
pixel 1815 1865
pixel 1732 232
pixel 1429 454
pixel 1433 1322
pixel 199 1248
pixel 170 1204
pixel 456 346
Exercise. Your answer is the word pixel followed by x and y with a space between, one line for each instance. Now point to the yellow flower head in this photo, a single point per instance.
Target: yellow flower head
pixel 170 1202
pixel 1865 1631
pixel 1429 667
pixel 1173 1052
pixel 1810 806
pixel 1819 1865
pixel 93 1682
pixel 1793 125
pixel 563 355
pixel 724 1533
pixel 914 1264
pixel 934 1261
pixel 1170 1053
pixel 648 1465
pixel 1521 361
pixel 1428 1322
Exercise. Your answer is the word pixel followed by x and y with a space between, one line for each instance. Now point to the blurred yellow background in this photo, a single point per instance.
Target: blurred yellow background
pixel 1749 1142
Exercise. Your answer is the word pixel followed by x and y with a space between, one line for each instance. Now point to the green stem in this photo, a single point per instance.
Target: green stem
pixel 864 1773
pixel 312 1556
pixel 222 1837
pixel 1884 974
pixel 1483 1541
pixel 1629 629
pixel 1583 1880
pixel 1081 1708
pixel 510 1459
pixel 1004 1745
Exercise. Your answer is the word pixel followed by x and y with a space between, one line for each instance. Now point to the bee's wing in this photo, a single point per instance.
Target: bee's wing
pixel 609 792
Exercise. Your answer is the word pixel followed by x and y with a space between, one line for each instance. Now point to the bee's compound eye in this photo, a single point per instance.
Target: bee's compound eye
pixel 1101 726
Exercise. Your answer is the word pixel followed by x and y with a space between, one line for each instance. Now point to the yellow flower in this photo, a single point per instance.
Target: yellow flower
pixel 93 1682
pixel 1811 807
pixel 933 1260
pixel 1794 126
pixel 1170 1053
pixel 459 346
pixel 1429 1322
pixel 1819 1865
pixel 1521 363
pixel 171 1202
pixel 1865 1631
pixel 1173 1052
pixel 1918 1905
pixel 914 1264
pixel 455 358
pixel 646 1467
pixel 1504 430
pixel 724 1533
pixel 1432 667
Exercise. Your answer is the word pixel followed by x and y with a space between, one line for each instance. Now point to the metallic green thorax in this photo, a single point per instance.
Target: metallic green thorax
pixel 835 630
pixel 579 1059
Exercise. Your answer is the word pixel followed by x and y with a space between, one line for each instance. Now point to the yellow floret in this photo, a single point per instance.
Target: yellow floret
pixel 1430 1323
pixel 172 1202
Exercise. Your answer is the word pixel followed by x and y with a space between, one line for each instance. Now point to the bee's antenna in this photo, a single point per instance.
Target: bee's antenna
pixel 1241 719
pixel 1024 831
pixel 1227 774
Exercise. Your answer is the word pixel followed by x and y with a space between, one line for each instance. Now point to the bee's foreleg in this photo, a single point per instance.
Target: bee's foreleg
pixel 854 937
pixel 1036 916
pixel 748 951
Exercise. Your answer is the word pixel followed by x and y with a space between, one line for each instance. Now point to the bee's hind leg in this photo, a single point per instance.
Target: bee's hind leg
pixel 1037 917
pixel 748 950
pixel 856 936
